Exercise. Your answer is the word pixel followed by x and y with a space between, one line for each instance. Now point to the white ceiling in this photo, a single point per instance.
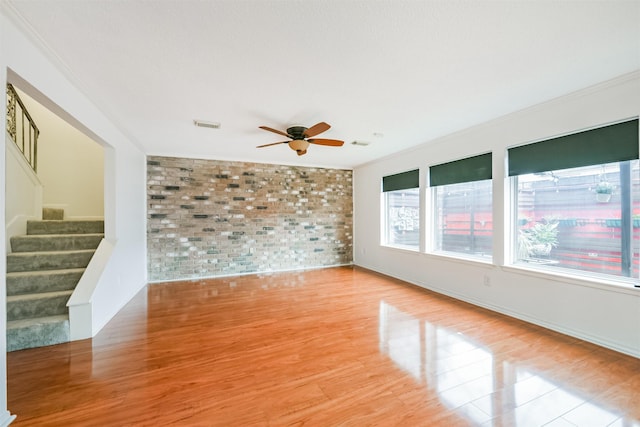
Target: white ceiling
pixel 409 70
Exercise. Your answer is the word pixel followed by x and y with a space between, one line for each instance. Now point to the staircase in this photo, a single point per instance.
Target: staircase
pixel 43 269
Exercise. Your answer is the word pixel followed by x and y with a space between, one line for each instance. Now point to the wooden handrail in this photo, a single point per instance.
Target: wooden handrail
pixel 28 148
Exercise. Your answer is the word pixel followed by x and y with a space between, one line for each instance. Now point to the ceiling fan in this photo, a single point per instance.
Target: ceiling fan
pixel 300 137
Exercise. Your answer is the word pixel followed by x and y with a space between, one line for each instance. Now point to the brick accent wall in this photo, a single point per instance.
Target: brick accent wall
pixel 210 218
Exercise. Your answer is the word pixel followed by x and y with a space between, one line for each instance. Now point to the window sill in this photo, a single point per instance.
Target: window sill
pixel 598 282
pixel 466 259
pixel 410 249
pixel 448 256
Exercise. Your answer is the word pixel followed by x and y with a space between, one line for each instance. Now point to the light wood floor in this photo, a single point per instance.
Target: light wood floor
pixel 340 346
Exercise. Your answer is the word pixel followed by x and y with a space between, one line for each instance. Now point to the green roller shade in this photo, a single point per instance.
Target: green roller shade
pixel 401 181
pixel 477 168
pixel 614 143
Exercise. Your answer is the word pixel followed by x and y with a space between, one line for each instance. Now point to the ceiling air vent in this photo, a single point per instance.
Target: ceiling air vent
pixel 203 124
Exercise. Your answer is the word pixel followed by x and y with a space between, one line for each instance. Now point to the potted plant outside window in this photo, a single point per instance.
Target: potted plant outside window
pixel 537 241
pixel 604 189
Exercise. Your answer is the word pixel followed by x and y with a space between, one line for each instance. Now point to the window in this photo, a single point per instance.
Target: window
pixel 402 209
pixel 463 208
pixel 577 205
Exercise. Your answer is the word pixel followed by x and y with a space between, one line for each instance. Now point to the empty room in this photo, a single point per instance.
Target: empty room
pixel 322 213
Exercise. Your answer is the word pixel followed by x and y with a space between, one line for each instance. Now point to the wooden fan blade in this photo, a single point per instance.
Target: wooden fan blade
pixel 301 152
pixel 330 142
pixel 279 132
pixel 273 143
pixel 316 129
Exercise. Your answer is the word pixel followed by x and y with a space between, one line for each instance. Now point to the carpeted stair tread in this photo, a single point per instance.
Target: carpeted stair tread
pixel 65 227
pixel 24 282
pixel 42 304
pixel 52 213
pixel 48 260
pixel 55 242
pixel 14 324
pixel 39 295
pixel 30 333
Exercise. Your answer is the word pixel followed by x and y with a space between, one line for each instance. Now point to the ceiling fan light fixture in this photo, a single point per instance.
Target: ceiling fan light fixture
pixel 299 145
pixel 300 137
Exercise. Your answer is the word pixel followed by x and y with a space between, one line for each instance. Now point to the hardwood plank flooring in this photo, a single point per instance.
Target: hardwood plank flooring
pixel 339 346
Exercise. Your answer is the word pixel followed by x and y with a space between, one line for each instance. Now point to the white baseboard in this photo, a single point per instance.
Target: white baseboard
pixel 222 276
pixel 17 226
pixel 65 208
pixel 84 218
pixel 6 418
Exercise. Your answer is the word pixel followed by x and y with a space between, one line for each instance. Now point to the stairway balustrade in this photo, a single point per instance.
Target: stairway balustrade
pixel 22 128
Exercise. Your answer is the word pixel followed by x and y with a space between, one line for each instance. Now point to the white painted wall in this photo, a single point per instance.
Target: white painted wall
pixel 24 63
pixel 605 314
pixel 5 416
pixel 23 192
pixel 70 165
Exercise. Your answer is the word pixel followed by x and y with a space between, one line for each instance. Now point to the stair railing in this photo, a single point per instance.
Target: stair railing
pixel 24 133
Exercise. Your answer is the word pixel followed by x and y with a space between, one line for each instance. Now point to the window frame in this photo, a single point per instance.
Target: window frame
pixel 474 168
pixel 568 274
pixel 402 181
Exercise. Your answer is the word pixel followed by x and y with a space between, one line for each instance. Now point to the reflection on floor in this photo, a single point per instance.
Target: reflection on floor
pixel 339 346
pixel 487 389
